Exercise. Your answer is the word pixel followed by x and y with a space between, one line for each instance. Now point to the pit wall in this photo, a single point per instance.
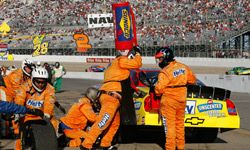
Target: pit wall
pixel 230 82
pixel 191 61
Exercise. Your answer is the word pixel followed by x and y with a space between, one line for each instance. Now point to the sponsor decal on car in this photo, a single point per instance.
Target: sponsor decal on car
pixel 215 113
pixel 190 107
pixel 210 105
pixel 137 105
pixel 195 120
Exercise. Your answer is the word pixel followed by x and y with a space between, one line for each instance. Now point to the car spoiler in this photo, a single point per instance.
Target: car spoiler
pixel 215 93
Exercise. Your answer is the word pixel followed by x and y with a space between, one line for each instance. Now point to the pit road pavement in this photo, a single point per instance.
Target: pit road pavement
pixel 231 140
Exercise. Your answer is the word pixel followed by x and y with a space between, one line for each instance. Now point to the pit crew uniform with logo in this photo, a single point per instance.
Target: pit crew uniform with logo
pixel 172 82
pixel 74 123
pixel 109 115
pixel 29 97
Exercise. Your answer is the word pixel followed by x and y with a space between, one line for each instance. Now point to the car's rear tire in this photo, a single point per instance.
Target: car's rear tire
pixel 38 135
pixel 201 135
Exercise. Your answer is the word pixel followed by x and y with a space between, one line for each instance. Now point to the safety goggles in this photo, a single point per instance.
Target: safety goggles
pixel 40 81
pixel 159 60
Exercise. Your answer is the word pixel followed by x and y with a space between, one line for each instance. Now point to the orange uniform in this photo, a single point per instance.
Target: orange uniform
pixel 109 116
pixel 12 82
pixel 172 81
pixel 76 121
pixel 29 97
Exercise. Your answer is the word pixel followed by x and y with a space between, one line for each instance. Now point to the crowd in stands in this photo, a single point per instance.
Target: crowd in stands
pixel 164 21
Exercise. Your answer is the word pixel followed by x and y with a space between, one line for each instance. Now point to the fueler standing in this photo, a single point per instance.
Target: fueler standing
pixel 113 87
pixel 172 86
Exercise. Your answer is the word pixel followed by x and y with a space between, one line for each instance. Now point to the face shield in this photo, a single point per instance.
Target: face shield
pixel 159 60
pixel 39 84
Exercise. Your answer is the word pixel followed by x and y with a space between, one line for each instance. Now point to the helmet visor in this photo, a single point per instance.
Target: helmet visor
pixel 159 60
pixel 39 84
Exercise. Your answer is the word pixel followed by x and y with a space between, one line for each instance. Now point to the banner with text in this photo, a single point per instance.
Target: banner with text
pixel 100 20
pixel 124 26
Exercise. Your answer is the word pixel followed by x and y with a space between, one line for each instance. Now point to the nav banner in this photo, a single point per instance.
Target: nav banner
pixel 100 20
pixel 124 26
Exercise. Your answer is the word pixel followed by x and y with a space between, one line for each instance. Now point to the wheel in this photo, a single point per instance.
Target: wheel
pixel 201 135
pixel 38 135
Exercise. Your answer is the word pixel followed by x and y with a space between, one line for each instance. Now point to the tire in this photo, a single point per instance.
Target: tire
pixel 38 135
pixel 201 135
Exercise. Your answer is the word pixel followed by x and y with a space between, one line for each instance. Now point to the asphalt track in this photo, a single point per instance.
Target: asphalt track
pixel 73 89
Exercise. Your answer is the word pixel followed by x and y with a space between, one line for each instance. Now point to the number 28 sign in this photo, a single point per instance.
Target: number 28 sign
pixel 40 47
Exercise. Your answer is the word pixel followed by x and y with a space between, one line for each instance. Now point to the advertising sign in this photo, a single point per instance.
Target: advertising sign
pixel 124 26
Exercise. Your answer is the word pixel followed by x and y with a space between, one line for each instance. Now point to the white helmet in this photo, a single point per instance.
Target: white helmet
pixel 39 73
pixel 38 63
pixel 27 63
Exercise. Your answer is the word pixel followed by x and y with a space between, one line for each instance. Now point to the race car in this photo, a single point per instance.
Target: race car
pixel 95 68
pixel 208 109
pixel 238 71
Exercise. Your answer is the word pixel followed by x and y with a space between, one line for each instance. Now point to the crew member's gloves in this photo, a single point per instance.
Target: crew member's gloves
pixel 17 117
pixel 96 106
pixel 47 116
pixel 36 112
pixel 137 49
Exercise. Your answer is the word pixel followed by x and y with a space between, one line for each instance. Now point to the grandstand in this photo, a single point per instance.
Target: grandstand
pixel 194 28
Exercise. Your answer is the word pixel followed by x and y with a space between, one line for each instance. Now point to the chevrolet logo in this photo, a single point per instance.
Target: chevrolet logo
pixel 194 120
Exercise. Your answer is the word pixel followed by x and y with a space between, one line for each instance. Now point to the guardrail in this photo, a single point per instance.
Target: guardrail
pixel 230 82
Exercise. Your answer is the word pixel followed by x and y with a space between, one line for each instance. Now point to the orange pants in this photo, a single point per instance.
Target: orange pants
pixel 18 145
pixel 75 135
pixel 16 132
pixel 173 113
pixel 108 117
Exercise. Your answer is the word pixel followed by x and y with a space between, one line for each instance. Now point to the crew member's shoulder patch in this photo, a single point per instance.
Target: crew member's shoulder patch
pixel 179 72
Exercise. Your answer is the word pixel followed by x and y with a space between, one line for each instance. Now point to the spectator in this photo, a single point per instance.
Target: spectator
pixel 59 72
